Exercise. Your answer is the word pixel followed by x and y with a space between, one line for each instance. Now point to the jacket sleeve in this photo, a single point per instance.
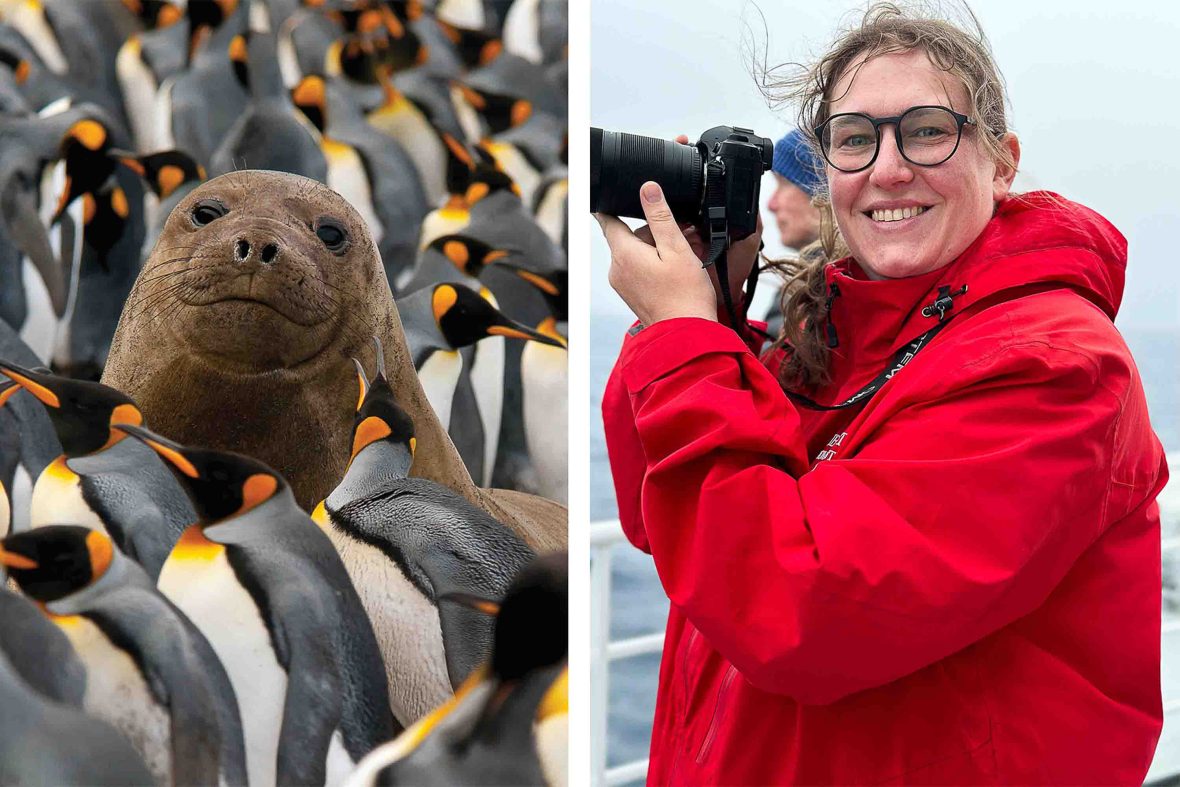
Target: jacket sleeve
pixel 958 514
pixel 624 450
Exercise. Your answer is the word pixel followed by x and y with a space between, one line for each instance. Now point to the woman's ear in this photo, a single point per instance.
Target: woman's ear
pixel 1005 173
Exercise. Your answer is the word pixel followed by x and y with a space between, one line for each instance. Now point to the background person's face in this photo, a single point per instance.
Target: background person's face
pixel 797 220
pixel 955 199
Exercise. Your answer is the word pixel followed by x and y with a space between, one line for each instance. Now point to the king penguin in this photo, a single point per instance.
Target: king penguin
pixel 46 743
pixel 408 542
pixel 28 442
pixel 101 480
pixel 441 320
pixel 267 589
pixel 150 672
pixel 508 723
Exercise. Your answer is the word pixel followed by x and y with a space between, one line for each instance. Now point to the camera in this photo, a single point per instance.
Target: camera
pixel 713 183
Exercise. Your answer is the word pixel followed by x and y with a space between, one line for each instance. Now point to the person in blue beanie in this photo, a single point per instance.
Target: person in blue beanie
pixel 798 176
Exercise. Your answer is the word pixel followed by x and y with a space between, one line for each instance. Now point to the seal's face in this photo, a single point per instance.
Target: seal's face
pixel 259 271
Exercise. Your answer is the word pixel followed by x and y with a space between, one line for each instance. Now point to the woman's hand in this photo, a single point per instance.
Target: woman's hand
pixel 662 282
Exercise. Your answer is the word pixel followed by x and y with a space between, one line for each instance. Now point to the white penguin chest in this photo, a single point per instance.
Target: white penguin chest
pixel 487 380
pixel 57 499
pixel 116 692
pixel 5 513
pixel 439 375
pixel 406 625
pixel 545 403
pixel 207 590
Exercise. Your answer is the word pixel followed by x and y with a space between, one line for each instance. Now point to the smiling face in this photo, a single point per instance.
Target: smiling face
pixel 900 219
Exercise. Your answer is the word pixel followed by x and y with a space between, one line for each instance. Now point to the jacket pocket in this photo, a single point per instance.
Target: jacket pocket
pixel 719 710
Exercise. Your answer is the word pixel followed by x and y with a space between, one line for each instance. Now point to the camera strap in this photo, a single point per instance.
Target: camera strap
pixel 718 232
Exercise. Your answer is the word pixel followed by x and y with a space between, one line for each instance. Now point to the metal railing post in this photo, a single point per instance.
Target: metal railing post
pixel 600 605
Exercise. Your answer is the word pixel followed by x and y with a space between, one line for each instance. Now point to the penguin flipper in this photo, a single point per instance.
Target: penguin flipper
pixel 311 714
pixel 467 639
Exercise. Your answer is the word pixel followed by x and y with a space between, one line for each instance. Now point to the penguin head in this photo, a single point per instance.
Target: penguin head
pixel 500 112
pixel 84 148
pixel 532 627
pixel 475 47
pixel 488 176
pixel 220 484
pixel 464 317
pixel 52 562
pixel 310 97
pixel 165 171
pixel 83 412
pixel 467 254
pixel 20 66
pixel 380 419
pixel 553 286
pixel 155 14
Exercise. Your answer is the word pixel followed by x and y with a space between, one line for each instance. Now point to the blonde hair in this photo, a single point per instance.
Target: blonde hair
pixel 884 29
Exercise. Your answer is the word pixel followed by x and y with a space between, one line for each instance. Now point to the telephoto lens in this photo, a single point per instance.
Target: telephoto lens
pixel 620 163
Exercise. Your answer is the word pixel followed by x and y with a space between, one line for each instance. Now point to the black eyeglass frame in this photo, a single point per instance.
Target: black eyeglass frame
pixel 960 121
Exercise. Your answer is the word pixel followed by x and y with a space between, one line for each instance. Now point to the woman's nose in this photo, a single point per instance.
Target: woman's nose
pixel 890 168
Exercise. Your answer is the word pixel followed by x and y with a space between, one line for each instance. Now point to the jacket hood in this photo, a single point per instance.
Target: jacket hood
pixel 1034 239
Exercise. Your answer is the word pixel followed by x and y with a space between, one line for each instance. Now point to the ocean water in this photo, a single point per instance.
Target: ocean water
pixel 639 604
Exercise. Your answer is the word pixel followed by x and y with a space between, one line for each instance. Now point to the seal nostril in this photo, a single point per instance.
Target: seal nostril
pixel 241 249
pixel 269 252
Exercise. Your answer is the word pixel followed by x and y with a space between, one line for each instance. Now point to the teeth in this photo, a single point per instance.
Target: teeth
pixel 897 214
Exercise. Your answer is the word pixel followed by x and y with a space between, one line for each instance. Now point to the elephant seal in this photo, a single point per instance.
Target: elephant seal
pixel 239 333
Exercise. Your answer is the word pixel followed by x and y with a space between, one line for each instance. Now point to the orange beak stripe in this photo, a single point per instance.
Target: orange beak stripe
pixel 540 282
pixel 458 151
pixel 13 560
pixel 43 394
pixel 500 330
pixel 492 256
pixel 176 458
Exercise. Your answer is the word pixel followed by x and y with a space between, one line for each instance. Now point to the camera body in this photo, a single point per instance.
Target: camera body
pixel 713 183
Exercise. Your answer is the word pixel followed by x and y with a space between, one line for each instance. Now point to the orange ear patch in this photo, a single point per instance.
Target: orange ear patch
pixel 370 431
pixel 490 51
pixel 169 179
pixel 456 252
pixel 101 553
pixel 257 489
pixel 521 111
pixel 476 192
pixel 119 204
pixel 90 133
pixel 89 207
pixel 444 298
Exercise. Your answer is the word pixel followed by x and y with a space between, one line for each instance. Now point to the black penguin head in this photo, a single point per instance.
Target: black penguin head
pixel 164 172
pixel 84 149
pixel 380 418
pixel 467 254
pixel 464 317
pixel 532 628
pixel 155 13
pixel 311 98
pixel 220 484
pixel 82 411
pixel 52 562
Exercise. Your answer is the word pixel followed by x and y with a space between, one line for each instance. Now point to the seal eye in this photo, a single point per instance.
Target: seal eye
pixel 208 210
pixel 332 235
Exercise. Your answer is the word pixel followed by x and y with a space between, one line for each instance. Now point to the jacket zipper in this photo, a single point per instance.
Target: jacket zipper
pixel 707 744
pixel 692 638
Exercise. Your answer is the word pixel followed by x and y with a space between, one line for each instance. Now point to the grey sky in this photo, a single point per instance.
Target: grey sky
pixel 1093 90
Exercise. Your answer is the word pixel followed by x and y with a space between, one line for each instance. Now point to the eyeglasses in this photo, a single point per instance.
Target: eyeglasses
pixel 926 136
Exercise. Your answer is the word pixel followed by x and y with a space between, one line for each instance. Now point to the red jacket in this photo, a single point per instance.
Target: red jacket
pixel 956 581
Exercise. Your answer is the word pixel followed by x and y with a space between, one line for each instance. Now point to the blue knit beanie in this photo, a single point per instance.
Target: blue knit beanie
pixel 794 160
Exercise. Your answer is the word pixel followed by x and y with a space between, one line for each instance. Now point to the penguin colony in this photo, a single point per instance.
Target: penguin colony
pixel 170 611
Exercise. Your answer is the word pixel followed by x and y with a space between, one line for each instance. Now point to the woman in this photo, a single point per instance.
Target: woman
pixel 937 559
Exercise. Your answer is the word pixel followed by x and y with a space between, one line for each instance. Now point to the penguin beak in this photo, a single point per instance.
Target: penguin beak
pixel 515 330
pixel 39 385
pixel 171 452
pixel 7 390
pixel 536 279
pixel 477 603
pixel 13 560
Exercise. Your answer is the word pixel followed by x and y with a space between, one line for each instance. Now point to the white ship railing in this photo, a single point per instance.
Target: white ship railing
pixel 605 535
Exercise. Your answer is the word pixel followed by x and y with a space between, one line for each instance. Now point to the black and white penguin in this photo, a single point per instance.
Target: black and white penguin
pixel 149 670
pixel 438 322
pixel 267 589
pixel 102 480
pixel 408 542
pixel 48 743
pixel 508 724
